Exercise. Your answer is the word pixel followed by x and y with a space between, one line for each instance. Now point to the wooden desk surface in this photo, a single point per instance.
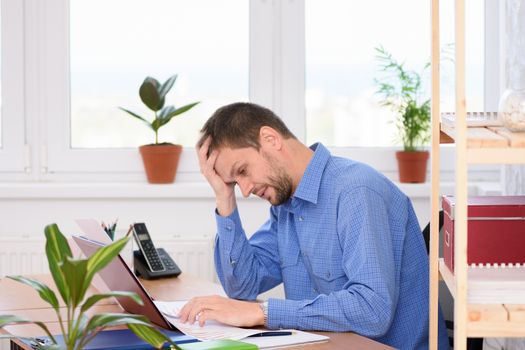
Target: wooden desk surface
pixel 21 300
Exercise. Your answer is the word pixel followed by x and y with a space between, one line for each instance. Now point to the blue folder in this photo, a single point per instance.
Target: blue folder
pixel 121 339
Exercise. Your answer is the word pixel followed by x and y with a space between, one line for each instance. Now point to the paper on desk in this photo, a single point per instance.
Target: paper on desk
pixel 297 337
pixel 212 330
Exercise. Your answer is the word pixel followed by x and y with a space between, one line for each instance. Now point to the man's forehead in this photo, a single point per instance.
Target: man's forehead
pixel 228 157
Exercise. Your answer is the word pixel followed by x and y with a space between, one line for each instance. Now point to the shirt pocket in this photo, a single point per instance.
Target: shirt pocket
pixel 329 273
pixel 288 256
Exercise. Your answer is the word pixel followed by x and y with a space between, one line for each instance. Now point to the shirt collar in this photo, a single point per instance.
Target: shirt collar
pixel 308 188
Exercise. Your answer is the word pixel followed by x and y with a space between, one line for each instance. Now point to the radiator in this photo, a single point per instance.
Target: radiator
pixel 26 256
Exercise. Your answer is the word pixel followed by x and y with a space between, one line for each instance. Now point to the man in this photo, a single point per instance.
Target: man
pixel 342 238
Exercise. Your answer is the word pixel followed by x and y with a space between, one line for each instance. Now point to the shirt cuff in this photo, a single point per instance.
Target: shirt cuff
pixel 283 313
pixel 228 230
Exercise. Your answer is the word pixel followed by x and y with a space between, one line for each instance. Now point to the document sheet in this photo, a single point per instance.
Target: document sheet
pixel 214 330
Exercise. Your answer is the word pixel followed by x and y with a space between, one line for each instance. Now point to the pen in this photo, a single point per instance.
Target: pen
pixel 113 228
pixel 129 231
pixel 271 334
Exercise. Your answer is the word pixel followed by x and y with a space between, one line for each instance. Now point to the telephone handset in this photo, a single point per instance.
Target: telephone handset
pixel 149 261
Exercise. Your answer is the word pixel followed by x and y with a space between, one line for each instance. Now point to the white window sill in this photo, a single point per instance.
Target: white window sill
pixel 179 190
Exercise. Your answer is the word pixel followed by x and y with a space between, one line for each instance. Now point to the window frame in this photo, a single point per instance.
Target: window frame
pixel 14 152
pixel 276 80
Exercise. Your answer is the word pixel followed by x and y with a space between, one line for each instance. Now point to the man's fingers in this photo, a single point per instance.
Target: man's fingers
pixel 202 309
pixel 184 312
pixel 196 309
pixel 203 150
pixel 204 316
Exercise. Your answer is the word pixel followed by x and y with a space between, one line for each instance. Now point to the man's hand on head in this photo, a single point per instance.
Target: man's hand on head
pixel 224 192
pixel 229 311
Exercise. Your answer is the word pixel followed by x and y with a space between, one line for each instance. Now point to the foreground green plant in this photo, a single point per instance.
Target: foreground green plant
pixel 153 94
pixel 401 90
pixel 73 278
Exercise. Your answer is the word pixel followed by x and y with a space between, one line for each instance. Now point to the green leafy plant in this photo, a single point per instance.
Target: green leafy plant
pixel 72 278
pixel 153 94
pixel 401 90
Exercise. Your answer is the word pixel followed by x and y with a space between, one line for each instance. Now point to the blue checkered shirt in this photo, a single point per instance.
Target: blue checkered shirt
pixel 347 246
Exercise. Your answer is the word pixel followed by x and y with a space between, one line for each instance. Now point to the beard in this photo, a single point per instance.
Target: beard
pixel 280 181
pixel 282 184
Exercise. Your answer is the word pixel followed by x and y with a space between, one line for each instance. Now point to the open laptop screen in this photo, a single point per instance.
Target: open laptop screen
pixel 118 276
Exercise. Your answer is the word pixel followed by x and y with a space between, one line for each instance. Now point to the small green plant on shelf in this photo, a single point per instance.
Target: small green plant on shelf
pixel 153 95
pixel 401 90
pixel 72 278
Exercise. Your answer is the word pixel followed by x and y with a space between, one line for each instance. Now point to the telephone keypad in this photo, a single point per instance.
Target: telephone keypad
pixel 152 256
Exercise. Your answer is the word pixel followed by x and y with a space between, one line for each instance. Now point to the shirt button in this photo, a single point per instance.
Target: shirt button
pixel 232 262
pixel 328 274
pixel 301 218
pixel 229 228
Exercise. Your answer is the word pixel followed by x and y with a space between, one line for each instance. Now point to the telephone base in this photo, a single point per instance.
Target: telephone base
pixel 142 270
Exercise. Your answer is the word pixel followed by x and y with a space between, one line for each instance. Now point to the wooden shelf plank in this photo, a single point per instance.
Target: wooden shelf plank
pixel 495 329
pixel 484 138
pixel 479 137
pixel 490 145
pixel 516 312
pixel 448 277
pixel 496 156
pixel 487 313
pixel 488 320
pixel 516 139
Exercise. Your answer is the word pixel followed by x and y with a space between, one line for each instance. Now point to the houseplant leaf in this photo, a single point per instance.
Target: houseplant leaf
pixel 44 291
pixel 136 116
pixel 166 87
pixel 78 330
pixel 151 335
pixel 12 319
pixel 97 297
pixel 74 272
pixel 149 94
pixel 115 319
pixel 165 119
pixel 100 259
pixel 165 111
pixel 57 249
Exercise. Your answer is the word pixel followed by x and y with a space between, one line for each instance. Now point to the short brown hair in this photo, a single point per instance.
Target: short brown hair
pixel 237 125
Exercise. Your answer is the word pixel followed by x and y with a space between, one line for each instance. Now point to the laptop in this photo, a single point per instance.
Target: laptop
pixel 118 276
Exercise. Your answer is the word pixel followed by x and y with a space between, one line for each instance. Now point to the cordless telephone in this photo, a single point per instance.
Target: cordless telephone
pixel 149 261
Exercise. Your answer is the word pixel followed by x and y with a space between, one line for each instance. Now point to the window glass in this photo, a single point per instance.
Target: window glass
pixel 1 109
pixel 341 104
pixel 115 44
pixel 474 55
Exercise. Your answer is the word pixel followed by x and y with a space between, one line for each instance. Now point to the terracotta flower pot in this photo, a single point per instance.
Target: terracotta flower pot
pixel 412 166
pixel 161 162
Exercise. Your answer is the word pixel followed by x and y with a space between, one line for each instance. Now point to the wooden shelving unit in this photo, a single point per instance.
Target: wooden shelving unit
pixel 477 145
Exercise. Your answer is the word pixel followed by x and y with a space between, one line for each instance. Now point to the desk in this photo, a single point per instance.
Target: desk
pixel 21 300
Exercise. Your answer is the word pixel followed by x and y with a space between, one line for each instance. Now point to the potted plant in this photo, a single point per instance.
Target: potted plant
pixel 160 159
pixel 73 278
pixel 402 92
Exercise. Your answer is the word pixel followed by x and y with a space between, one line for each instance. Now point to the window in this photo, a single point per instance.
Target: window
pixel 1 78
pixel 474 55
pixel 71 65
pixel 205 42
pixel 341 106
pixel 13 157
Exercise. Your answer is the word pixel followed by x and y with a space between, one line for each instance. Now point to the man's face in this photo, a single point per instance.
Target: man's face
pixel 255 172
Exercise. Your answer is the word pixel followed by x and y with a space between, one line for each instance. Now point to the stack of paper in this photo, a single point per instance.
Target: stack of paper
pixel 496 285
pixel 214 330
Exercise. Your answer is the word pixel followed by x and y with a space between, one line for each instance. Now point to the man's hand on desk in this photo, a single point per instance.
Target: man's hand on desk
pixel 229 311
